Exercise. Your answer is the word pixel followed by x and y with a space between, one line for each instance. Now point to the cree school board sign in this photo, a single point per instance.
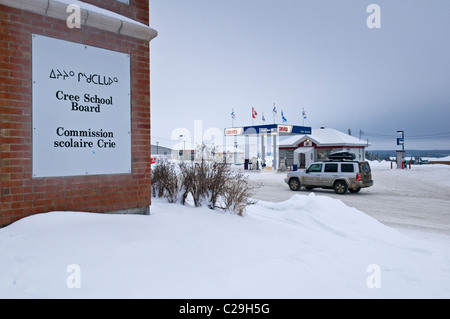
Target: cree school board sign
pixel 81 109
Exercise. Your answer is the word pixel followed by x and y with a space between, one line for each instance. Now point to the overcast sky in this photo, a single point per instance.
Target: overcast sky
pixel 212 56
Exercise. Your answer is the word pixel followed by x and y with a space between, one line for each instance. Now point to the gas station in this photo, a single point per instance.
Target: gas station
pixel 264 141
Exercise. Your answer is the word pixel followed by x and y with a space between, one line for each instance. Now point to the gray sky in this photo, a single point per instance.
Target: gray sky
pixel 212 56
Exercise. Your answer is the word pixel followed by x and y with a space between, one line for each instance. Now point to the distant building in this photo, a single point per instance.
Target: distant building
pixel 229 154
pixel 302 150
pixel 163 151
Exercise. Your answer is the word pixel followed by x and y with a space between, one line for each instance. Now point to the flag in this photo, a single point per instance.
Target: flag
pixel 263 118
pixel 282 116
pixel 304 114
pixel 274 110
pixel 233 115
pixel 254 114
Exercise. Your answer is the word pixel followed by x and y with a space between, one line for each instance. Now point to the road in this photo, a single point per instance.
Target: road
pixel 416 199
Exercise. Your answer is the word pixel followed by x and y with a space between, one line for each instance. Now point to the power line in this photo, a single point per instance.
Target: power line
pixel 393 136
pixel 430 135
pixel 162 138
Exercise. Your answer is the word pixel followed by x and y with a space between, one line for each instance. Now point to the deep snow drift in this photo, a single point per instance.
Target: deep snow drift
pixel 306 247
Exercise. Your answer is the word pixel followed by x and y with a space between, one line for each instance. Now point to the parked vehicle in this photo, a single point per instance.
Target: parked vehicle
pixel 340 175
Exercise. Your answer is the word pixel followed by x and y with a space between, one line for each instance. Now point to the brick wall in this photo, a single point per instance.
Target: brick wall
pixel 137 10
pixel 22 195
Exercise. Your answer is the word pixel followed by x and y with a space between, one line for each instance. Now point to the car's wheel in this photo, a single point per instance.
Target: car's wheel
pixel 354 190
pixel 340 187
pixel 294 184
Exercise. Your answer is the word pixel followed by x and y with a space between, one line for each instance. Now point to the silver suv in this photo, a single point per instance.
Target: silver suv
pixel 338 175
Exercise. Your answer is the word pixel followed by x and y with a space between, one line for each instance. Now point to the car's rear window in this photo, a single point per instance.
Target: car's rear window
pixel 347 168
pixel 365 167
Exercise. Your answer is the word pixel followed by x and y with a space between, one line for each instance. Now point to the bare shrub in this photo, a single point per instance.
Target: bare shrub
pixel 238 194
pixel 219 177
pixel 213 185
pixel 165 181
pixel 193 182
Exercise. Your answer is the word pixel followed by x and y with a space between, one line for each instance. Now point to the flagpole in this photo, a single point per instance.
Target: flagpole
pixel 232 117
pixel 252 116
pixel 273 113
pixel 303 116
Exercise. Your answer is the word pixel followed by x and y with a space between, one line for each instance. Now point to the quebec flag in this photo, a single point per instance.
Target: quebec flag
pixel 282 116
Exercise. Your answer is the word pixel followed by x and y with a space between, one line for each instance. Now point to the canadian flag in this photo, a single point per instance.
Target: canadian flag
pixel 254 114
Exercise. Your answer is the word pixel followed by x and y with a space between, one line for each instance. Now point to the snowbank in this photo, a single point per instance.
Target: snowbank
pixel 305 247
pixel 382 163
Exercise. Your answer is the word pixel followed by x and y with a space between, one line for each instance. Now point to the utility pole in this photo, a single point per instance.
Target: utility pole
pixel 401 154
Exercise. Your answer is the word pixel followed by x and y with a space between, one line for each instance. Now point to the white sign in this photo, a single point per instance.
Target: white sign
pixel 81 109
pixel 234 131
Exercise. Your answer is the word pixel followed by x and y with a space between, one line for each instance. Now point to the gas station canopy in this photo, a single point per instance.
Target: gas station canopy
pixel 267 142
pixel 272 129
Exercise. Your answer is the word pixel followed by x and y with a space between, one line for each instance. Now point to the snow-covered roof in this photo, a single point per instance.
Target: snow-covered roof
pixel 324 137
pixel 91 15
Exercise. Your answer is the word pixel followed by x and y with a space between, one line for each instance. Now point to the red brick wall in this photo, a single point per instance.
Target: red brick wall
pixel 21 195
pixel 136 10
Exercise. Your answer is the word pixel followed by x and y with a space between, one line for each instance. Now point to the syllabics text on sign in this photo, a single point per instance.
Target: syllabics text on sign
pixel 81 109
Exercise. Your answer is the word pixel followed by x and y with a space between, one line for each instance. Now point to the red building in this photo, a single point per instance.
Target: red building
pixel 302 150
pixel 75 106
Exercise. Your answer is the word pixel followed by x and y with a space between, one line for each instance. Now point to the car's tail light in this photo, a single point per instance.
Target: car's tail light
pixel 358 177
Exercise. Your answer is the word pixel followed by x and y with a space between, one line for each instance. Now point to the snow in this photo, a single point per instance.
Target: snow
pixel 437 175
pixel 441 159
pixel 101 11
pixel 324 137
pixel 305 247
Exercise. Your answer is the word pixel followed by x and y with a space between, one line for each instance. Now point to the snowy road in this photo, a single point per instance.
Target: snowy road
pixel 416 199
pixel 306 247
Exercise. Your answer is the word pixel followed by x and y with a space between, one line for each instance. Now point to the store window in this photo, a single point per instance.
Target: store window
pixel 322 153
